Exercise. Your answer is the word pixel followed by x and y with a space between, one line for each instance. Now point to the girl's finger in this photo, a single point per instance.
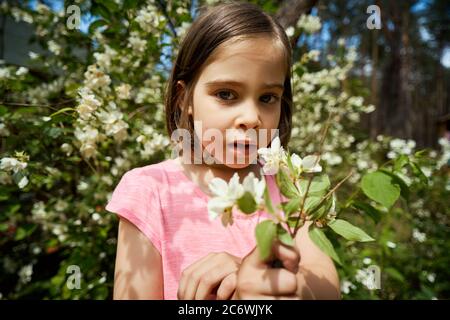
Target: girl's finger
pixel 212 276
pixel 227 287
pixel 189 279
pixel 289 256
pixel 270 282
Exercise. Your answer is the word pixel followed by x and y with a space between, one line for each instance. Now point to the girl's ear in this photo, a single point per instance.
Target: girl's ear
pixel 181 89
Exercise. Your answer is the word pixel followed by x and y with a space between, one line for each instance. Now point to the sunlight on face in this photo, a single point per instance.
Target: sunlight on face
pixel 239 90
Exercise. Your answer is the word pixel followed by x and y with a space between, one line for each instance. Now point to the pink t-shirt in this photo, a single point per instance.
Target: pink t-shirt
pixel 171 211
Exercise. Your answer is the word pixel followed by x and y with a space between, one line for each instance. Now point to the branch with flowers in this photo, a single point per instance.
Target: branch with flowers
pixel 310 198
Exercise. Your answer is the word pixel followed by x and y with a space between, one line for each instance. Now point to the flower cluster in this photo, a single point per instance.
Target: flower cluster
pixel 14 169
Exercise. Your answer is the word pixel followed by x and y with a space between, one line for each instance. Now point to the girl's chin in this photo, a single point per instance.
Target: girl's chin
pixel 237 163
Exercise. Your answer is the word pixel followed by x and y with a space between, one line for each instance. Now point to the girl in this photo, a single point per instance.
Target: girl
pixel 232 73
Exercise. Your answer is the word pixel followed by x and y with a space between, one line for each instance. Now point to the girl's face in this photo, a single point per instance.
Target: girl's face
pixel 240 88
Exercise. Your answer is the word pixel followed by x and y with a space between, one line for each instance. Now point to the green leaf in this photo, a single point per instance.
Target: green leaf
pixel 268 200
pixel 247 203
pixel 394 274
pixel 420 153
pixel 25 231
pixel 292 206
pixel 373 213
pixel 404 189
pixel 319 185
pixel 111 5
pixel 320 239
pixel 266 232
pixel 286 185
pixel 380 187
pixel 3 110
pixel 292 222
pixel 284 236
pixel 129 4
pixel 3 227
pixel 400 162
pixel 99 9
pixel 349 231
pixel 419 173
pixel 319 211
pixel 310 203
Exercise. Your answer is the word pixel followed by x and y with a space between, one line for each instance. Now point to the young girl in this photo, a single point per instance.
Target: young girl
pixel 232 73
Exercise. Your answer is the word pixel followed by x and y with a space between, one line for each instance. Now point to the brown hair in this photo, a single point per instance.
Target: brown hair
pixel 213 27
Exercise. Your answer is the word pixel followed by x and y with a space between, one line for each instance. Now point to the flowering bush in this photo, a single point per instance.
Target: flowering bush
pixel 89 107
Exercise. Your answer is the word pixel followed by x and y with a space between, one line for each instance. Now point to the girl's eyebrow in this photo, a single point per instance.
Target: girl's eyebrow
pixel 237 84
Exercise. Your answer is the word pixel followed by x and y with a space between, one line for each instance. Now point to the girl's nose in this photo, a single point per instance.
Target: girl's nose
pixel 249 116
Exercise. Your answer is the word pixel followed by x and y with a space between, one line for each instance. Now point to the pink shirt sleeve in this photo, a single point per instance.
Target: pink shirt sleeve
pixel 136 200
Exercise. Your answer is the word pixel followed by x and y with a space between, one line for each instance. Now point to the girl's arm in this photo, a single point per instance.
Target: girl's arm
pixel 138 270
pixel 317 277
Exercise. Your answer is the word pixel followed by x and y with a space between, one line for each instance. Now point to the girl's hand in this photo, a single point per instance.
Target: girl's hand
pixel 214 271
pixel 257 280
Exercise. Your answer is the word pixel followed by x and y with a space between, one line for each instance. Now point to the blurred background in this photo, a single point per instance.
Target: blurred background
pixel 81 102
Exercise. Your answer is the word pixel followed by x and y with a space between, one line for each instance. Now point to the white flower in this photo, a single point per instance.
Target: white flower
pixel 308 164
pixel 391 244
pixel 136 43
pixel 88 150
pixel 109 117
pixel 4 132
pixel 54 47
pixel 431 277
pixel 397 143
pixel 391 155
pixel 314 55
pixel 23 182
pixel 25 273
pixel 4 73
pixel 87 134
pixel 88 103
pixel 123 91
pixel 367 260
pixel 118 130
pixel 225 195
pixel 419 236
pixel 21 71
pixel 366 277
pixel 12 164
pixel 95 78
pixel 85 111
pixel 255 187
pixel 38 210
pixel 290 31
pixel 309 23
pixel 149 18
pixel 33 55
pixel 61 205
pixel 67 148
pixel 273 156
pixel 346 286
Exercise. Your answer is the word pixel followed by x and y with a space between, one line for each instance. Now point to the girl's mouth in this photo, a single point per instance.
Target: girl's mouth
pixel 242 148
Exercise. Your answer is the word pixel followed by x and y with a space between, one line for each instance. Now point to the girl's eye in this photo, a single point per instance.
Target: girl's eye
pixel 269 98
pixel 225 95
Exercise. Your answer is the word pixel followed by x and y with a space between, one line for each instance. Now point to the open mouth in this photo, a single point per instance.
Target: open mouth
pixel 242 146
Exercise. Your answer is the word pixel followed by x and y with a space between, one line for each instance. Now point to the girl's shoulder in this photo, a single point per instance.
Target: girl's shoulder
pixel 154 173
